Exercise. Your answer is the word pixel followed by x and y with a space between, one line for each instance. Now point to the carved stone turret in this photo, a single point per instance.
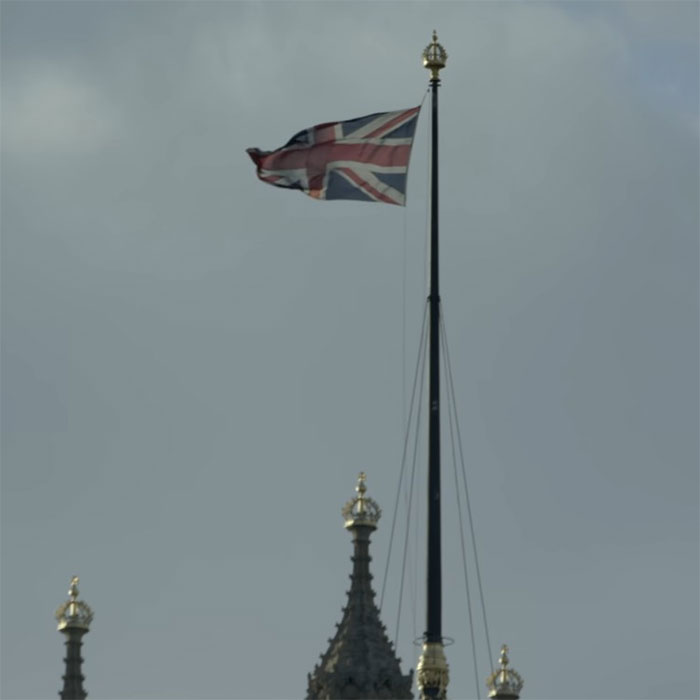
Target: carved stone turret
pixel 360 661
pixel 74 618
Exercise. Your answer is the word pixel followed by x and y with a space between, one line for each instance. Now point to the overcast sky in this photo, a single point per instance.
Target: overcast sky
pixel 195 365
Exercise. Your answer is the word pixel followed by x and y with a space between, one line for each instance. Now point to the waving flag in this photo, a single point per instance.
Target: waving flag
pixel 365 158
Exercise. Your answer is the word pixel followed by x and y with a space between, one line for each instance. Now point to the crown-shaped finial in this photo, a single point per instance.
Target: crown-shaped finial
pixel 361 510
pixel 434 57
pixel 505 682
pixel 74 612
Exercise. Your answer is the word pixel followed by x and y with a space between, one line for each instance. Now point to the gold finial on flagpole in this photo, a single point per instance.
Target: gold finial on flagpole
pixel 434 57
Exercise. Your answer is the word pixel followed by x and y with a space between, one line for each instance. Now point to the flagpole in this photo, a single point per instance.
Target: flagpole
pixel 432 670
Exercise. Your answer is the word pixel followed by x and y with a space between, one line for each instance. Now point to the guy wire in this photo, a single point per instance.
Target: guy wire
pixel 403 458
pixel 466 495
pixel 410 494
pixel 451 419
pixel 403 288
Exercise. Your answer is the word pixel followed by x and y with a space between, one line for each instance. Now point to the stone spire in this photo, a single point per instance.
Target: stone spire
pixel 505 683
pixel 74 618
pixel 360 661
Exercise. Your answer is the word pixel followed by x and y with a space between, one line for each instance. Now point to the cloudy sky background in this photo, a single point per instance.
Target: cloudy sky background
pixel 195 365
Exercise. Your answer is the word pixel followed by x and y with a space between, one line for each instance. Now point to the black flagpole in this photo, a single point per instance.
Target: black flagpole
pixel 434 612
pixel 432 668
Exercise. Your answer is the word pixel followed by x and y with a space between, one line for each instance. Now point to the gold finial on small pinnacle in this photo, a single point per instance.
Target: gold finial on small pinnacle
pixel 361 510
pixel 361 489
pixel 74 612
pixel 434 57
pixel 73 590
pixel 505 682
pixel 503 658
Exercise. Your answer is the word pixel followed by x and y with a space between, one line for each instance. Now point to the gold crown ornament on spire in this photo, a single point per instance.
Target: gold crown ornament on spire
pixel 74 612
pixel 504 683
pixel 434 57
pixel 361 510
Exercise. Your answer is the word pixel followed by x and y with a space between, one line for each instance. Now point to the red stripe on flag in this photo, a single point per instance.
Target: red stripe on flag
pixel 318 158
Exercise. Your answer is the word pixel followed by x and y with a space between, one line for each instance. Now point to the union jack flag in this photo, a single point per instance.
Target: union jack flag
pixel 365 158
